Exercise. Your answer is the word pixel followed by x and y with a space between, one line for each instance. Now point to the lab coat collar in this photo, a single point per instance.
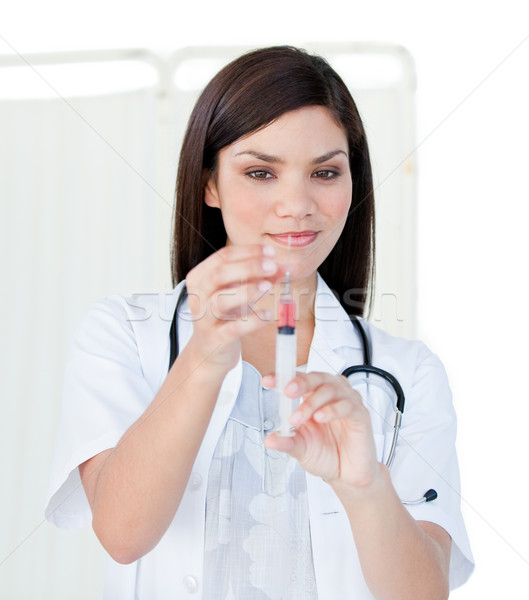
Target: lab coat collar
pixel 333 331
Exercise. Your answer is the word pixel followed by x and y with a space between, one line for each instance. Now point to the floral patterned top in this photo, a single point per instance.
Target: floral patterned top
pixel 257 544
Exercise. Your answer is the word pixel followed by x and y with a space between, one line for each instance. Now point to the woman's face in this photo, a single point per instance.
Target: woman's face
pixel 289 179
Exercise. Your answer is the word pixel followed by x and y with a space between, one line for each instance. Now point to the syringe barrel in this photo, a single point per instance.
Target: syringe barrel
pixel 286 358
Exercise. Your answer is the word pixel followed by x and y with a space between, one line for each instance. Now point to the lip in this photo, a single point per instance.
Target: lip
pixel 297 238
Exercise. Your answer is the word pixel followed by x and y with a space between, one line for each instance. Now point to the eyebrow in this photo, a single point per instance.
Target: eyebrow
pixel 270 158
pixel 328 156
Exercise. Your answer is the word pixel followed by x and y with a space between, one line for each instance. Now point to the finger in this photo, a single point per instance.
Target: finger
pixel 269 381
pixel 236 252
pixel 227 254
pixel 238 301
pixel 232 265
pixel 330 399
pixel 341 409
pixel 228 274
pixel 294 445
pixel 321 397
pixel 305 383
pixel 237 328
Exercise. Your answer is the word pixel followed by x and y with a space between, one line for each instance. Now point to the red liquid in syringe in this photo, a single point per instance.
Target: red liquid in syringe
pixel 287 315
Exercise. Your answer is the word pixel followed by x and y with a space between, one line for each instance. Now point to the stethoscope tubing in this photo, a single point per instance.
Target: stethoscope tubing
pixel 367 368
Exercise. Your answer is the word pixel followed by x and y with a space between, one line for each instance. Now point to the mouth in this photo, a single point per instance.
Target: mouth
pixel 295 238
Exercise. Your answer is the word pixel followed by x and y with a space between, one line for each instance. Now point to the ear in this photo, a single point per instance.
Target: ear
pixel 211 194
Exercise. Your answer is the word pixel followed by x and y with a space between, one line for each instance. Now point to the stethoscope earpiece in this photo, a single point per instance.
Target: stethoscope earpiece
pixel 428 497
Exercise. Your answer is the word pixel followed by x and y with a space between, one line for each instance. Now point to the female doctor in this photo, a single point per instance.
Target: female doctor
pixel 187 486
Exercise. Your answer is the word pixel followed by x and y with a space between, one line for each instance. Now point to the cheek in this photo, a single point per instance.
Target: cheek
pixel 338 204
pixel 243 211
pixel 338 208
pixel 242 219
pixel 347 200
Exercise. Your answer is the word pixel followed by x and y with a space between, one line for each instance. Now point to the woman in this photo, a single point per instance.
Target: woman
pixel 186 483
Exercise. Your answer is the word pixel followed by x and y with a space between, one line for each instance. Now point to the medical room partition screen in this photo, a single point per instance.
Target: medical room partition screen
pixel 88 163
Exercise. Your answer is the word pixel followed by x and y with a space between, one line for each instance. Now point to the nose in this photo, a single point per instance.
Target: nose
pixel 294 199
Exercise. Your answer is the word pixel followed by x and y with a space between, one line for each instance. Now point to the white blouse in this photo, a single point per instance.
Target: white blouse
pixel 257 540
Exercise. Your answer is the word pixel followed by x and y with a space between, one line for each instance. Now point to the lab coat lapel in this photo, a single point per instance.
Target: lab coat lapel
pixel 335 346
pixel 333 331
pixel 322 356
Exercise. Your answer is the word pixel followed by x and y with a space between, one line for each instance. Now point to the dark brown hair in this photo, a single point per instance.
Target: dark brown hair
pixel 246 95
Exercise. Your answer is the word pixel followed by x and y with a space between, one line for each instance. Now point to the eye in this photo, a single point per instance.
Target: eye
pixel 261 175
pixel 325 174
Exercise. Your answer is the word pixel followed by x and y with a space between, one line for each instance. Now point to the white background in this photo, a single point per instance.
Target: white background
pixel 472 62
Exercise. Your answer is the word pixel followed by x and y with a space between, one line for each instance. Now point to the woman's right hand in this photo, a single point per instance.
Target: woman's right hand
pixel 222 292
pixel 134 489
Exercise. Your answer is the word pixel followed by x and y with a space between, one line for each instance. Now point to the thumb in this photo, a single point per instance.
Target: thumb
pixel 293 445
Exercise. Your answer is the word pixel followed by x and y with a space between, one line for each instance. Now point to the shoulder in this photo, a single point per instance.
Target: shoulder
pixel 397 355
pixel 134 308
pixel 419 370
pixel 385 345
pixel 136 313
pixel 132 331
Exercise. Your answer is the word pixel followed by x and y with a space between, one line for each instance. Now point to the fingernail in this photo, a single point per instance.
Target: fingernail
pixel 269 265
pixel 292 388
pixel 320 416
pixel 295 418
pixel 267 382
pixel 264 286
pixel 269 251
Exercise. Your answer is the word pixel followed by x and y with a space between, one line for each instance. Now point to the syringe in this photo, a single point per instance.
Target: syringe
pixel 286 355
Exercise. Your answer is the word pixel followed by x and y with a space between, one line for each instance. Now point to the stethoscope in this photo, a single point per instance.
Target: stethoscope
pixel 366 369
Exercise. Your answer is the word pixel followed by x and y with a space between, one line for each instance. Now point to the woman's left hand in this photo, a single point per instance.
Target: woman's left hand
pixel 333 438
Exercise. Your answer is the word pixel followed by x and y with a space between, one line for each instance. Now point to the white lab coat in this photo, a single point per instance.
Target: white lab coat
pixel 117 363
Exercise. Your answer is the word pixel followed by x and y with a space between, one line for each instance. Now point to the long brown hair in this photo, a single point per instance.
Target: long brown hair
pixel 246 95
